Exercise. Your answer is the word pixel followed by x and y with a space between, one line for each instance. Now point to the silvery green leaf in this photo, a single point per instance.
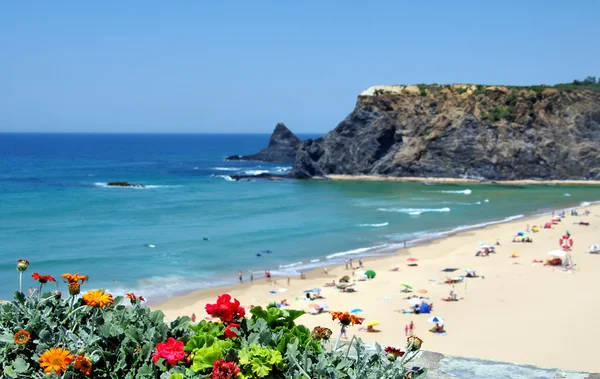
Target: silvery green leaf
pixel 20 365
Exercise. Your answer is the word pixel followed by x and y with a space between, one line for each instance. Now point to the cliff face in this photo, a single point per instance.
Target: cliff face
pixel 283 145
pixel 496 133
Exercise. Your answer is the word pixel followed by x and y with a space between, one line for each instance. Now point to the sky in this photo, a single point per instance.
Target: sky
pixel 242 66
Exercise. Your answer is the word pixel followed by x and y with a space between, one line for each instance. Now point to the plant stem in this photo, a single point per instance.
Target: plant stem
pixel 350 345
pixel 300 368
pixel 21 281
pixel 337 342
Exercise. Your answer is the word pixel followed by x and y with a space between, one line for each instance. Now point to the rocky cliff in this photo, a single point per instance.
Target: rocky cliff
pixel 453 131
pixel 282 147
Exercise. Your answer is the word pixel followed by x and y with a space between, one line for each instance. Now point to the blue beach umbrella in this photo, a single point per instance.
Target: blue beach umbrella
pixel 435 319
pixel 356 310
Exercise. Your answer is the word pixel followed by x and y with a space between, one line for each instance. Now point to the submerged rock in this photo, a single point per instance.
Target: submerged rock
pixel 462 131
pixel 124 184
pixel 283 146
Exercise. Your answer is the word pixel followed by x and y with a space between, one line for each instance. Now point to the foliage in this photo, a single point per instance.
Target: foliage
pixel 422 89
pixel 97 336
pixel 496 114
pixel 118 340
pixel 460 91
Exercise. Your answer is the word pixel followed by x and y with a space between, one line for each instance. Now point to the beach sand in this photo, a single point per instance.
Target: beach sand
pixel 516 311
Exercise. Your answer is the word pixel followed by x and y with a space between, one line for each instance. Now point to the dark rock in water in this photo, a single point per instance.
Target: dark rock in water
pixel 462 131
pixel 283 145
pixel 124 184
pixel 264 175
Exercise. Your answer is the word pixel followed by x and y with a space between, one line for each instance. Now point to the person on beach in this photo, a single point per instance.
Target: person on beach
pixel 405 244
pixel 343 333
pixel 411 328
pixel 350 261
pixel 240 277
pixel 288 281
pixel 325 270
pixel 353 271
pixel 346 262
pixel 193 317
pixel 251 277
pixel 360 262
pixel 405 330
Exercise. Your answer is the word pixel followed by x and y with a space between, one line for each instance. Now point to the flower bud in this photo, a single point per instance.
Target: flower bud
pixel 22 265
pixel 57 294
pixel 391 357
pixel 74 288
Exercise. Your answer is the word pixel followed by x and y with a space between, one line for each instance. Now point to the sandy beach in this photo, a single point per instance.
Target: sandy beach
pixel 516 310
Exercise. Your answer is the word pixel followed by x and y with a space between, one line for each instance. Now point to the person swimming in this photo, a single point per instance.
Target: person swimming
pixel 206 239
pixel 258 254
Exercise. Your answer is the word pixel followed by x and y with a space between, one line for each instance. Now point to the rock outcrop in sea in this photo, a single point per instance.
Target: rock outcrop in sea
pixel 283 146
pixel 462 131
pixel 125 184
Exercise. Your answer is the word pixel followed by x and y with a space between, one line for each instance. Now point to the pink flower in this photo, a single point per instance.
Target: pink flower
pixel 225 309
pixel 224 370
pixel 172 351
pixel 230 333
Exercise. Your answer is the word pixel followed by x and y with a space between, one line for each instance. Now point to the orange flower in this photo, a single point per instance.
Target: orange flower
pixel 22 337
pixel 346 319
pixel 417 342
pixel 74 278
pixel 97 298
pixel 55 359
pixel 43 278
pixel 74 288
pixel 134 299
pixel 83 364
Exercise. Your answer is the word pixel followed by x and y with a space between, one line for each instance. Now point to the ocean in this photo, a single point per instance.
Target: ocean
pixel 57 212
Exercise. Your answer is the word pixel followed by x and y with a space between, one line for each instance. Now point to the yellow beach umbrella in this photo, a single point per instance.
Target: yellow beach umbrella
pixel 372 323
pixel 515 254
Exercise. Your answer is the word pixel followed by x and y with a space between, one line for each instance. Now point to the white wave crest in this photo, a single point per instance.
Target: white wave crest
pixel 255 172
pixel 291 265
pixel 355 251
pixel 414 211
pixel 226 177
pixel 463 192
pixel 567 195
pixel 375 225
pixel 282 168
pixel 315 260
pixel 225 168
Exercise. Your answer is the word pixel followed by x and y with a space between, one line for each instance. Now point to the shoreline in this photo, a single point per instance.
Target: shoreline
pixel 386 252
pixel 457 180
pixel 513 299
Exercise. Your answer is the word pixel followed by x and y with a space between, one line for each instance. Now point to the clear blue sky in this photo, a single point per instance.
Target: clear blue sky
pixel 242 66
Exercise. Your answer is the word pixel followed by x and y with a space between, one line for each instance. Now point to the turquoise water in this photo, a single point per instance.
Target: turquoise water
pixel 56 211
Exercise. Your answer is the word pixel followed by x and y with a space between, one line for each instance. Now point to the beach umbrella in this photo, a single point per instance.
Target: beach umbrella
pixel 370 274
pixel 435 319
pixel 356 310
pixel 558 253
pixel 314 306
pixel 594 248
pixel 317 290
pixel 485 246
pixel 470 271
pixel 359 273
pixel 521 233
pixel 407 286
pixel 515 254
pixel 415 301
pixel 283 290
pixel 422 291
pixel 411 259
pixel 372 323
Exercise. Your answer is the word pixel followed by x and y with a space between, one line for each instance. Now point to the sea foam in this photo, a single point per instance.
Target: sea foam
pixel 414 211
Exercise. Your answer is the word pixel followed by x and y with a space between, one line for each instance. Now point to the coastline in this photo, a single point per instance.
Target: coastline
pixel 457 180
pixel 501 300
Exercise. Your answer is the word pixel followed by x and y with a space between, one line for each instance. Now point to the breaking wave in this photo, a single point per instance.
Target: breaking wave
pixel 375 225
pixel 414 211
pixel 463 192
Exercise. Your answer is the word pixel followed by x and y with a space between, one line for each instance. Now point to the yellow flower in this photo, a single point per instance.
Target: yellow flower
pixel 417 342
pixel 97 298
pixel 83 364
pixel 22 337
pixel 55 359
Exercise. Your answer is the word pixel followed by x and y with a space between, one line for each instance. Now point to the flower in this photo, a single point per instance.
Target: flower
pixel 417 342
pixel 74 278
pixel 393 353
pixel 83 364
pixel 224 370
pixel 172 351
pixel 97 298
pixel 230 333
pixel 345 318
pixel 320 333
pixel 134 299
pixel 22 265
pixel 43 279
pixel 225 309
pixel 55 359
pixel 74 288
pixel 22 337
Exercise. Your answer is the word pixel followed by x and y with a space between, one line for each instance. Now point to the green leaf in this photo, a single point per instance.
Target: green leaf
pixel 7 338
pixel 20 365
pixel 176 376
pixel 10 372
pixel 260 368
pixel 205 357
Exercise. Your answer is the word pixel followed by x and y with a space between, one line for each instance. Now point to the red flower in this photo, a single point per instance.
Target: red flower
pixel 230 333
pixel 224 370
pixel 393 353
pixel 42 278
pixel 172 351
pixel 141 298
pixel 133 299
pixel 225 309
